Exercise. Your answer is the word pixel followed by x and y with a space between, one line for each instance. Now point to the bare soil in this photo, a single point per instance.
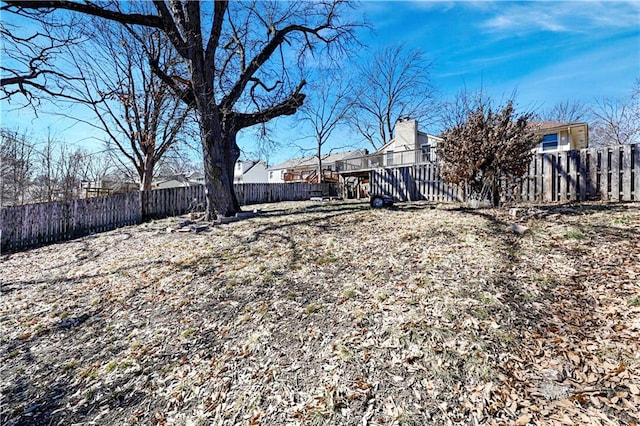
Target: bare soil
pixel 331 313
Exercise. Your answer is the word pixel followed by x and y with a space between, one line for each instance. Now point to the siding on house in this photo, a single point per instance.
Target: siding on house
pixel 407 137
pixel 250 171
pixel 561 136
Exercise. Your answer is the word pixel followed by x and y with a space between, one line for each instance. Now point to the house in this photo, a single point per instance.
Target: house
pixel 179 180
pixel 409 145
pixel 250 171
pixel 106 186
pixel 561 136
pixel 305 169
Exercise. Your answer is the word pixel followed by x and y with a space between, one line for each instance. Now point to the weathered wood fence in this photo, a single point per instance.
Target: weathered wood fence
pixel 412 183
pixel 610 173
pixel 35 224
pixel 606 173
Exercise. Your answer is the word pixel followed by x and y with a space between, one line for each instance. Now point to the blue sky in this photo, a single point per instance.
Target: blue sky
pixel 547 51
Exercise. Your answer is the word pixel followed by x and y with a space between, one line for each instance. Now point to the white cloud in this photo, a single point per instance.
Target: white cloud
pixel 567 16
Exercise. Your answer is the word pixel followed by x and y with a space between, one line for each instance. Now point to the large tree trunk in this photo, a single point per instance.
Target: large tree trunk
pixel 146 177
pixel 220 155
pixel 232 154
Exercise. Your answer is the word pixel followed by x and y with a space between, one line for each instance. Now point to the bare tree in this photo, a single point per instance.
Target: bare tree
pixel 491 144
pixel 326 110
pixel 616 121
pixel 135 108
pixel 29 65
pixel 59 171
pixel 393 83
pixel 241 65
pixel 16 167
pixel 567 112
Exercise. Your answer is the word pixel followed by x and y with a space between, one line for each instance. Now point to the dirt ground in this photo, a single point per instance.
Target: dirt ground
pixel 331 313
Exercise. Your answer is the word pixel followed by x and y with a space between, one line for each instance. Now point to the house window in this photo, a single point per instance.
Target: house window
pixel 550 142
pixel 270 175
pixel 425 151
pixel 329 168
pixel 389 158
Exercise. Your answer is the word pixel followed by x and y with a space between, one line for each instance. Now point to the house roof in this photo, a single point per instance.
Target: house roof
pixel 247 164
pixel 311 160
pixel 545 126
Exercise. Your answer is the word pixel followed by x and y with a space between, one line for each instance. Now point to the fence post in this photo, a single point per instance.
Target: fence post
pixel 626 172
pixel 615 174
pixel 636 172
pixel 583 174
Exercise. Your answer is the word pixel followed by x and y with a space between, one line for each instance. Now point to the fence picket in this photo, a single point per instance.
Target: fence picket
pixel 626 173
pixel 636 172
pixel 614 174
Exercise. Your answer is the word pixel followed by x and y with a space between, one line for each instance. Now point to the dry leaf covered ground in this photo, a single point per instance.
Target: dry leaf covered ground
pixel 331 314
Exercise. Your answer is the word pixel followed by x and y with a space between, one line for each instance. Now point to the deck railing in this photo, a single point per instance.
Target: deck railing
pixel 386 159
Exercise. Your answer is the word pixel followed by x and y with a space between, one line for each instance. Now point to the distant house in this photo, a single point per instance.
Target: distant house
pixel 250 171
pixel 106 186
pixel 179 180
pixel 305 169
pixel 561 136
pixel 409 145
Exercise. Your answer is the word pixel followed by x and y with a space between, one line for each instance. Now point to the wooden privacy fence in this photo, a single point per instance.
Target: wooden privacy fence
pixel 412 183
pixel 35 224
pixel 609 173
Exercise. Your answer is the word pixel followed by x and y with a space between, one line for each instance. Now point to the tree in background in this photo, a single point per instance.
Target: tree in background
pixel 16 167
pixel 616 121
pixel 567 112
pixel 393 83
pixel 137 110
pixel 325 110
pixel 29 66
pixel 59 171
pixel 245 62
pixel 491 144
pixel 33 171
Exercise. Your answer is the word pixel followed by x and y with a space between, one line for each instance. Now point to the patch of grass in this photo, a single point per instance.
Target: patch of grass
pixel 89 373
pixel 503 337
pixel 634 301
pixel 125 364
pixel 575 235
pixel 349 292
pixel 481 313
pixel 486 299
pixel 547 282
pixel 188 332
pixel 111 366
pixel 324 260
pixel 311 308
pixel 291 295
pixel 620 221
pixel 478 370
pixel 382 295
pixel 343 353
